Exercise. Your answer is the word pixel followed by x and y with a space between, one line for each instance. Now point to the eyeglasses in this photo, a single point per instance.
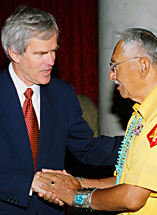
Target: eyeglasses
pixel 113 66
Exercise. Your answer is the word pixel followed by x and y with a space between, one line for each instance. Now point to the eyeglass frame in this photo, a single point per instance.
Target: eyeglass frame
pixel 112 66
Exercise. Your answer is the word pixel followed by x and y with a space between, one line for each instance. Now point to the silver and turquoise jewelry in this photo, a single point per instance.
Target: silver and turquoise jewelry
pixel 82 198
pixel 134 129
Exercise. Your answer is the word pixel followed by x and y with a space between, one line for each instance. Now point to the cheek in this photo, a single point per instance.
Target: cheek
pixel 35 64
pixel 127 77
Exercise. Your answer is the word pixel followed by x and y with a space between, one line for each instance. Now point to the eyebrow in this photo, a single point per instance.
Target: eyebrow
pixel 44 52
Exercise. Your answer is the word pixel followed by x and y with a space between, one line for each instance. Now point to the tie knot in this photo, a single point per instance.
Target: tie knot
pixel 28 93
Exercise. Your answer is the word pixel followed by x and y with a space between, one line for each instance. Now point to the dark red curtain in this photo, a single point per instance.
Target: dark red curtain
pixel 77 20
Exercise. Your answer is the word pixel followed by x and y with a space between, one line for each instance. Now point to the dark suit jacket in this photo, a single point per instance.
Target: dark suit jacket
pixel 61 125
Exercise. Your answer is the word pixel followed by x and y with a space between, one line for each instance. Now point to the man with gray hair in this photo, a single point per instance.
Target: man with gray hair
pixel 39 116
pixel 133 189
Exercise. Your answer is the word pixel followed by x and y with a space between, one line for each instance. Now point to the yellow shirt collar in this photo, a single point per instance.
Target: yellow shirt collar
pixel 148 106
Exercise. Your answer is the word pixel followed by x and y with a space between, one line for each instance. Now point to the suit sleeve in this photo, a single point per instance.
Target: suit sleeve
pixel 15 178
pixel 15 186
pixel 102 150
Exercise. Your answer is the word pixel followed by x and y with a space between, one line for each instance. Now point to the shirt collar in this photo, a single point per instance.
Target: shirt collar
pixel 148 106
pixel 20 85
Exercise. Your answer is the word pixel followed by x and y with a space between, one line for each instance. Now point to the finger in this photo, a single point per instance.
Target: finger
pixel 38 173
pixel 56 201
pixel 47 178
pixel 61 203
pixel 65 172
pixel 52 198
pixel 53 171
pixel 41 191
pixel 47 196
pixel 44 178
pixel 46 188
pixel 47 170
pixel 49 175
pixel 40 194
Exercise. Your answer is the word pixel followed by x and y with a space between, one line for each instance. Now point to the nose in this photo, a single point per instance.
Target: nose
pixel 112 75
pixel 50 58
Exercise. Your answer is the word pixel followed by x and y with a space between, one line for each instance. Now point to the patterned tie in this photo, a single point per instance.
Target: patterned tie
pixel 32 124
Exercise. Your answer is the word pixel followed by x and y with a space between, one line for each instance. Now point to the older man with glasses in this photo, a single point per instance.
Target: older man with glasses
pixel 133 189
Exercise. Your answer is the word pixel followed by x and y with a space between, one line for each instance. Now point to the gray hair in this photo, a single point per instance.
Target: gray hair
pixel 24 24
pixel 138 42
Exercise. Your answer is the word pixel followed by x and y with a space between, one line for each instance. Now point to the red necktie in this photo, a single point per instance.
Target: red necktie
pixel 32 124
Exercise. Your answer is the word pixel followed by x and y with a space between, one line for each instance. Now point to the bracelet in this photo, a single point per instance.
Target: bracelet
pixel 80 178
pixel 82 198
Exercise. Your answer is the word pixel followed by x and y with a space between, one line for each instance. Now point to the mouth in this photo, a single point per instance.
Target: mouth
pixel 47 72
pixel 118 83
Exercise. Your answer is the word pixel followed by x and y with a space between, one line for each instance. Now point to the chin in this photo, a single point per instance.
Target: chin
pixel 124 95
pixel 46 81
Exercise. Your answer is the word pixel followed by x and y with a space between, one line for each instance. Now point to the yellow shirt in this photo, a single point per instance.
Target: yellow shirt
pixel 140 166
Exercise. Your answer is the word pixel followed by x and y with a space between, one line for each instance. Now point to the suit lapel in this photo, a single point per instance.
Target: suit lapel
pixel 48 120
pixel 13 120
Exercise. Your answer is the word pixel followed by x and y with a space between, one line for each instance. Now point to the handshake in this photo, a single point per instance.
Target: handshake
pixel 55 186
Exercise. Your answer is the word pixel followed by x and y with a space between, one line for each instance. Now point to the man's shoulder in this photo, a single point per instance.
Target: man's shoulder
pixel 61 90
pixel 4 71
pixel 57 84
pixel 4 75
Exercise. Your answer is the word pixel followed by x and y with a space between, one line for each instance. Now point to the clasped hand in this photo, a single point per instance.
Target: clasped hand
pixel 61 191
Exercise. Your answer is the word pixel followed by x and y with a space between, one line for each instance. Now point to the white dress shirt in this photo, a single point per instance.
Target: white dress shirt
pixel 21 87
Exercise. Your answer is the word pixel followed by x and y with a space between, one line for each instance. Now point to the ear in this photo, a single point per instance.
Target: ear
pixel 144 67
pixel 14 56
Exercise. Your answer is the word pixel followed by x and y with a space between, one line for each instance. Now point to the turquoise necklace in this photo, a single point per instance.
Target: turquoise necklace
pixel 132 130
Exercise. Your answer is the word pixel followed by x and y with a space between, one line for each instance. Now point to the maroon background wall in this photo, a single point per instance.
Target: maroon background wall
pixel 77 20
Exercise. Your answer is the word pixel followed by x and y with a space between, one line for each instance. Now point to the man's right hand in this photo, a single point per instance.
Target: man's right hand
pixel 35 185
pixel 64 186
pixel 47 196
